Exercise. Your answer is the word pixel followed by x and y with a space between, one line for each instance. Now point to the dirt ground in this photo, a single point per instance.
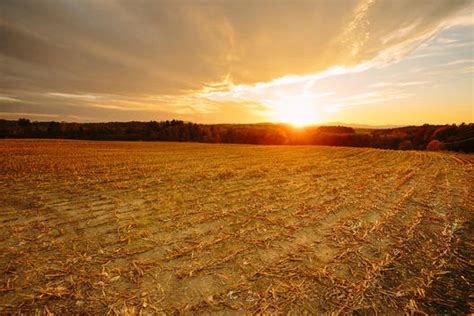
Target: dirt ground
pixel 165 228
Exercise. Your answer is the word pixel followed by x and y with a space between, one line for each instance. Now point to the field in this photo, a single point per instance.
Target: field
pixel 133 227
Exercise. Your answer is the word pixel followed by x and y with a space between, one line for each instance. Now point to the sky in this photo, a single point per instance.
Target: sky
pixel 375 62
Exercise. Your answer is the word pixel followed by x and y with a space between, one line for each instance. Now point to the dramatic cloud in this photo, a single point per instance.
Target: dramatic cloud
pixel 163 56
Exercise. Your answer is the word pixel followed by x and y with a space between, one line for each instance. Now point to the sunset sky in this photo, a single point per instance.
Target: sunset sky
pixel 371 62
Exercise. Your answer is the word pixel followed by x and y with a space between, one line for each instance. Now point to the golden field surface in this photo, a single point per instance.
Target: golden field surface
pixel 163 228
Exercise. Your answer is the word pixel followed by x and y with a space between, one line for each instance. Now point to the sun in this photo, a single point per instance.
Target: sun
pixel 298 115
pixel 298 119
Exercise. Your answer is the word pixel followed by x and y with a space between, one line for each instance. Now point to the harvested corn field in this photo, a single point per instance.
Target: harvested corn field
pixel 130 228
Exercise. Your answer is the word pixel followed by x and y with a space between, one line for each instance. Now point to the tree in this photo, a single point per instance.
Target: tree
pixel 435 145
pixel 24 123
pixel 54 128
pixel 405 145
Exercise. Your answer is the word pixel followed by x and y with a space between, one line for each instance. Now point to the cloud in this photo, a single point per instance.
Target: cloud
pixel 170 47
pixel 399 84
pixel 74 96
pixel 195 58
pixel 458 62
pixel 4 98
pixel 14 115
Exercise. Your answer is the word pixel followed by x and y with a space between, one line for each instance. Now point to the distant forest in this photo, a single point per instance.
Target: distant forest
pixel 425 137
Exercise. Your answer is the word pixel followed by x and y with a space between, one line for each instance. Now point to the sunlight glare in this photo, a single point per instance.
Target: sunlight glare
pixel 298 111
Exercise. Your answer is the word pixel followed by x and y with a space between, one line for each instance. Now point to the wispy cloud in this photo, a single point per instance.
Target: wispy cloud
pixel 15 115
pixel 398 84
pixel 74 96
pixel 9 99
pixel 457 62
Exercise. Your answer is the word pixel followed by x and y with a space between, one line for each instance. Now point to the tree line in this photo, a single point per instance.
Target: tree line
pixel 426 137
